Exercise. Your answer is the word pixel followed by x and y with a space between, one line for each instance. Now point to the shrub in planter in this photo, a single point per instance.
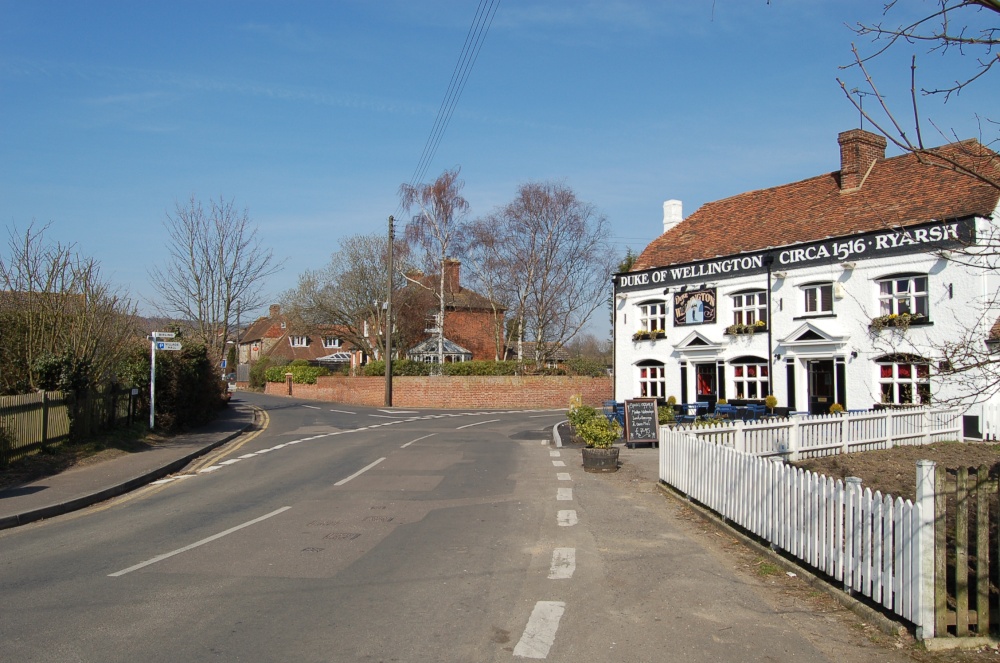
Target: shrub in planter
pixel 599 432
pixel 771 402
pixel 580 415
pixel 836 408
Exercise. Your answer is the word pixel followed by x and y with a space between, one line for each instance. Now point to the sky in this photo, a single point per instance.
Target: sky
pixel 311 114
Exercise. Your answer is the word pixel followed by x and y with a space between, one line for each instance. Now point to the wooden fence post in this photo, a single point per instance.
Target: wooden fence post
pixel 924 608
pixel 288 382
pixel 45 417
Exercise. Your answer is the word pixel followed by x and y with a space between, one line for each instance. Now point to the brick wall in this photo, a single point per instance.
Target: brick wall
pixel 494 392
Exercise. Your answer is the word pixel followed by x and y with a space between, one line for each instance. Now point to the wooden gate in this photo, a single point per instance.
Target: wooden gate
pixel 966 552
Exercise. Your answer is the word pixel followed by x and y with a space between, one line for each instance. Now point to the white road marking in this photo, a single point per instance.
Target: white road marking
pixel 540 632
pixel 564 494
pixel 558 463
pixel 230 461
pixel 563 476
pixel 478 423
pixel 400 411
pixel 212 468
pixel 554 454
pixel 563 564
pixel 417 440
pixel 359 472
pixel 312 407
pixel 343 412
pixel 160 558
pixel 566 518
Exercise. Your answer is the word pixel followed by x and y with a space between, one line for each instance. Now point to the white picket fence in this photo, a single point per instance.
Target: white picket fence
pixel 825 435
pixel 874 545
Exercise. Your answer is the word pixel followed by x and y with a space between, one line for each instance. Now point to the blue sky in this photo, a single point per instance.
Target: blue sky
pixel 311 114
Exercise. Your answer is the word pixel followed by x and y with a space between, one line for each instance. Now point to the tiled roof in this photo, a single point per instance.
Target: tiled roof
pixel 898 191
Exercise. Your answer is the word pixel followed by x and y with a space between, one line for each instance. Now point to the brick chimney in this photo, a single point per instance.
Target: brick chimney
pixel 673 213
pixel 275 310
pixel 859 150
pixel 451 269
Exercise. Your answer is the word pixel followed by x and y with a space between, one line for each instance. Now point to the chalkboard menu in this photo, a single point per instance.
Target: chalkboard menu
pixel 641 422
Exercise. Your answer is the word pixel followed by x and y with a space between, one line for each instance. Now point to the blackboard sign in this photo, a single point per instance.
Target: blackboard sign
pixel 641 420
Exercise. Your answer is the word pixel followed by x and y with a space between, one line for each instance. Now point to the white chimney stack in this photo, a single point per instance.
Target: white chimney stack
pixel 673 213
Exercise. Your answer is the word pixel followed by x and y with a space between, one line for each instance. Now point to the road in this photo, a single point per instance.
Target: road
pixel 357 534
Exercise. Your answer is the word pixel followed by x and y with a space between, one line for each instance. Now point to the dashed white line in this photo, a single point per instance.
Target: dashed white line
pixel 416 440
pixel 563 476
pixel 564 494
pixel 312 407
pixel 343 412
pixel 566 518
pixel 563 564
pixel 558 463
pixel 359 472
pixel 540 632
pixel 554 454
pixel 478 423
pixel 160 558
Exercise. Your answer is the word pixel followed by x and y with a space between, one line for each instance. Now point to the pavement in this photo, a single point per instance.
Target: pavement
pixel 83 486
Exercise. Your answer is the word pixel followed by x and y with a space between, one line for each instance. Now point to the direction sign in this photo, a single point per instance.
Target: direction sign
pixel 168 346
pixel 164 334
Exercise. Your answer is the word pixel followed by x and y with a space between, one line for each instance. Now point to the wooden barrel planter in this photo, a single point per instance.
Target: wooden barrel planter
pixel 600 460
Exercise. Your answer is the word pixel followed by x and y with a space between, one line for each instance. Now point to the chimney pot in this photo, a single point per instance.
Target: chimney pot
pixel 275 310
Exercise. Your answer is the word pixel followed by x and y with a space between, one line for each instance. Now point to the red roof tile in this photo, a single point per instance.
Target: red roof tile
pixel 899 191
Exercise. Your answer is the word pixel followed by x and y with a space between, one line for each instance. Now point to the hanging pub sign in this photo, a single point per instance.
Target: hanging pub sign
pixel 694 307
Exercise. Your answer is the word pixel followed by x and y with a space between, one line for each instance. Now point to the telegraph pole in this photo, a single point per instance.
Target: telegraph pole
pixel 388 323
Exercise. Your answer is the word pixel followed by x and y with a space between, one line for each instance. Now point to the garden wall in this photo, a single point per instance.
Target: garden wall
pixel 449 392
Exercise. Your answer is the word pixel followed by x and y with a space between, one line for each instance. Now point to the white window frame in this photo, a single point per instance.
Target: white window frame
pixel 745 313
pixel 815 292
pixel 900 294
pixel 298 341
pixel 898 388
pixel 743 384
pixel 653 315
pixel 331 342
pixel 652 381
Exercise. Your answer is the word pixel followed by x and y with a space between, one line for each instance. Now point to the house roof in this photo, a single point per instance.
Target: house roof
pixel 897 191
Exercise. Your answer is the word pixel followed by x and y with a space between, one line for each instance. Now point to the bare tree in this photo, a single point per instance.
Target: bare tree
pixel 348 293
pixel 56 308
pixel 433 230
pixel 216 259
pixel 546 257
pixel 965 27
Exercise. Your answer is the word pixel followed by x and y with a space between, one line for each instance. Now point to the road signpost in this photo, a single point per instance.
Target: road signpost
pixel 155 345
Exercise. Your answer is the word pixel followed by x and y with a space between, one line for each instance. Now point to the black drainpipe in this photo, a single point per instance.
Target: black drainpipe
pixel 769 262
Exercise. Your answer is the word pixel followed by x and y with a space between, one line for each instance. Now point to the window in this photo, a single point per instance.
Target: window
pixel 749 307
pixel 652 380
pixel 903 294
pixel 653 316
pixel 299 341
pixel 330 342
pixel 904 379
pixel 818 298
pixel 750 377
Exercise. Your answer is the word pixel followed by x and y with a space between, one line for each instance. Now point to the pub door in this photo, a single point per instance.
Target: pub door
pixel 821 385
pixel 706 390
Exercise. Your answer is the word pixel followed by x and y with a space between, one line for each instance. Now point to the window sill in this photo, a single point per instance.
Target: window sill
pixel 815 316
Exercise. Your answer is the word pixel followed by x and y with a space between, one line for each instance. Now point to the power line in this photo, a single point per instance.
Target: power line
pixel 460 75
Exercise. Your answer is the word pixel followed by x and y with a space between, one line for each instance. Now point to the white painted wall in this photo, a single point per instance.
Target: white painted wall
pixel 957 295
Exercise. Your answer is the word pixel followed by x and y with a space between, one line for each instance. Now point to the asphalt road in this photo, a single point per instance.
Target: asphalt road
pixel 355 534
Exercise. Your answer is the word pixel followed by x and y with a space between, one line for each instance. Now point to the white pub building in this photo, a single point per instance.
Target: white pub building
pixel 861 287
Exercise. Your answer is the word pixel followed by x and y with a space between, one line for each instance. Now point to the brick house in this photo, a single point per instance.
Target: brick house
pixel 470 322
pixel 272 337
pixel 799 290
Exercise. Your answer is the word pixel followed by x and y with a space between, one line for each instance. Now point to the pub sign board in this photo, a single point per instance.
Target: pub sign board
pixel 929 237
pixel 694 307
pixel 641 420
